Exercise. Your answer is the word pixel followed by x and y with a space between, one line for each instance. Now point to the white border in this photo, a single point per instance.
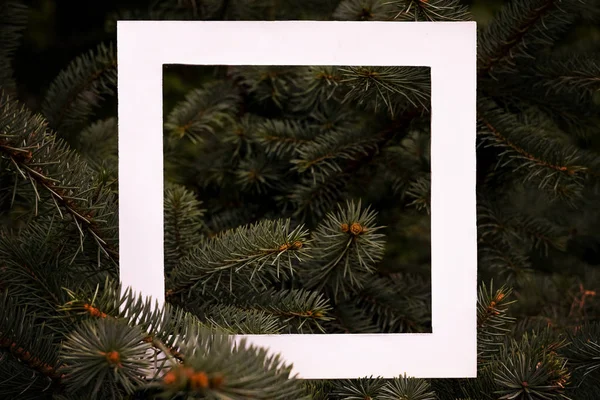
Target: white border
pixel 449 48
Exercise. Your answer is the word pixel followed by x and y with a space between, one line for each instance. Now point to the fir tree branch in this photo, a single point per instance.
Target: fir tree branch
pixel 571 74
pixel 203 112
pixel 366 388
pixel 324 155
pixel 251 253
pixel 584 352
pixel 97 144
pixel 162 326
pixel 313 199
pixel 26 340
pixel 521 27
pixel 362 10
pixel 183 224
pixel 400 89
pixel 36 155
pixel 260 174
pixel 217 368
pixel 528 21
pixel 497 255
pixel 407 388
pixel 318 86
pixel 246 321
pixel 42 258
pixel 267 85
pixel 419 191
pixel 282 137
pixel 531 366
pixel 79 88
pixel 295 310
pixel 349 317
pixel 492 320
pixel 508 228
pixel 346 248
pixel 397 303
pixel 13 20
pixel 104 358
pixel 571 170
pixel 429 10
pixel 556 166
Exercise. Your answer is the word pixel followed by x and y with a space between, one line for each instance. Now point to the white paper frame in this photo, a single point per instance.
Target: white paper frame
pixel 449 48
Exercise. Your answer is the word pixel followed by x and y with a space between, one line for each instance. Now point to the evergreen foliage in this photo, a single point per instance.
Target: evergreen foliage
pixel 13 18
pixel 297 200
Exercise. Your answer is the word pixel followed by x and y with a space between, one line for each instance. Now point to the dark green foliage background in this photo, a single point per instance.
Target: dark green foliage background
pixel 538 217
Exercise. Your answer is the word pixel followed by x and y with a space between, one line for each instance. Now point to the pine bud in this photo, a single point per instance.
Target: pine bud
pixel 199 380
pixel 356 229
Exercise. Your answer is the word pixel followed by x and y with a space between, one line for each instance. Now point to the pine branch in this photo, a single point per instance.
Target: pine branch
pixel 404 388
pixel 104 358
pixel 398 303
pixel 258 10
pixel 362 10
pixel 235 320
pixel 480 388
pixel 396 89
pixel 162 326
pixel 267 85
pixel 502 258
pixel 329 152
pixel 22 336
pixel 182 9
pixel 260 174
pixel 576 73
pixel 584 352
pixel 350 317
pixel 419 192
pixel 537 92
pixel 183 224
pixel 216 368
pixel 36 263
pixel 492 321
pixel 281 138
pixel 311 199
pixel 251 254
pixel 301 311
pixel 203 112
pixel 530 15
pixel 346 248
pixel 555 166
pixel 97 144
pixel 520 151
pixel 241 135
pixel 330 116
pixel 79 89
pixel 38 157
pixel 405 166
pixel 13 20
pixel 295 310
pixel 319 389
pixel 522 27
pixel 503 227
pixel 226 219
pixel 531 366
pixel 407 388
pixel 428 10
pixel 317 86
pixel 358 389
